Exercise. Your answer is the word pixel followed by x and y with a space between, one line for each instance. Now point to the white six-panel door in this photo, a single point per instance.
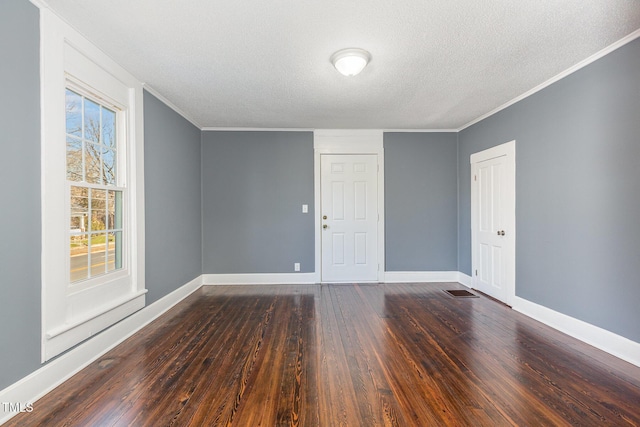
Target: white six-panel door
pixel 349 209
pixel 493 221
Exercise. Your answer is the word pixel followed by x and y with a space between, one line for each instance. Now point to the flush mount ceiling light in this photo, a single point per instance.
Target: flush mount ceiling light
pixel 350 62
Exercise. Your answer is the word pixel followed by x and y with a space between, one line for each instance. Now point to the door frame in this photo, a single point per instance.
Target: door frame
pixel 347 141
pixel 508 150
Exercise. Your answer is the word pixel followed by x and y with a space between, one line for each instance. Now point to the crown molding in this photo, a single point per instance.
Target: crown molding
pixel 241 129
pixel 40 4
pixel 420 130
pixel 170 104
pixel 623 41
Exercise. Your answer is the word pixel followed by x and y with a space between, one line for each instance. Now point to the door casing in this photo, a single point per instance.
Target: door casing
pixel 326 141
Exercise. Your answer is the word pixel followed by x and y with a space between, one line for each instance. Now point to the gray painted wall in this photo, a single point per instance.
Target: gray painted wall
pixel 253 188
pixel 20 172
pixel 172 172
pixel 173 233
pixel 577 192
pixel 578 198
pixel 421 207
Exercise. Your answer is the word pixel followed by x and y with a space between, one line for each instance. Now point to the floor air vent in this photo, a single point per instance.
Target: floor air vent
pixel 461 293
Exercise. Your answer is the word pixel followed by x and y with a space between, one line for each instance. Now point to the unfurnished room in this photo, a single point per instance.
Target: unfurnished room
pixel 296 213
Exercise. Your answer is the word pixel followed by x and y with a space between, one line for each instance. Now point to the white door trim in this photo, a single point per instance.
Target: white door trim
pixel 507 149
pixel 347 141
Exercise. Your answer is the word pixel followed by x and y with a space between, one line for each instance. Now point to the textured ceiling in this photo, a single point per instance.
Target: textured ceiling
pixel 437 64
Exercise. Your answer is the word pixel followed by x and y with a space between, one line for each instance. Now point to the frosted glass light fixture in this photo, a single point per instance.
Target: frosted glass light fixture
pixel 350 62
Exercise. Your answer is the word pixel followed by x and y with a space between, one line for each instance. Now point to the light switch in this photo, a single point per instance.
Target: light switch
pixel 305 208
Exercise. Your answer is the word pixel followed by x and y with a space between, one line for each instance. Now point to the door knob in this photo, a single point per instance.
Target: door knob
pixel 324 226
pixel 501 233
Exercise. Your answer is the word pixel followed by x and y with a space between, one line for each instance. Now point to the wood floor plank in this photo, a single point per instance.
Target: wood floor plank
pixel 344 355
pixel 375 403
pixel 338 394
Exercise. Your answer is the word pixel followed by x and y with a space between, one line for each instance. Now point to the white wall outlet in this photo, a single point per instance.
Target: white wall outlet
pixel 296 266
pixel 305 208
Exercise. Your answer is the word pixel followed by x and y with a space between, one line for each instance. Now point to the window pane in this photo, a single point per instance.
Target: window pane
pixel 111 209
pixel 79 258
pixel 92 168
pixel 118 211
pixel 109 166
pixel 117 249
pixel 76 224
pixel 114 251
pixel 98 210
pixel 91 121
pixel 108 127
pixel 79 209
pixel 114 198
pixel 73 110
pixel 111 254
pixel 98 254
pixel 74 159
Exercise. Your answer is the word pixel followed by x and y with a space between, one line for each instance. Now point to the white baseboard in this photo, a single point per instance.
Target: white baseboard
pixel 312 278
pixel 420 276
pixel 259 279
pixel 602 339
pixel 465 280
pixel 38 383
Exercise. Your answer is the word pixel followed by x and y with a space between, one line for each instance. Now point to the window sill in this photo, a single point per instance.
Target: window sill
pixel 58 339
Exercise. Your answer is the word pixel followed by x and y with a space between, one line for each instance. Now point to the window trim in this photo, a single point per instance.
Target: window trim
pixel 66 56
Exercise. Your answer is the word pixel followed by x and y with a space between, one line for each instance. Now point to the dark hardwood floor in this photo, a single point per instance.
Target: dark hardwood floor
pixel 338 355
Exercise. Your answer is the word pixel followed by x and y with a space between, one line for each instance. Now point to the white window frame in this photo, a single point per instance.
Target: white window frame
pixel 71 314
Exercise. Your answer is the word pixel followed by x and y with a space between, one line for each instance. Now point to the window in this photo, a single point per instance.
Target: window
pixel 95 190
pixel 92 189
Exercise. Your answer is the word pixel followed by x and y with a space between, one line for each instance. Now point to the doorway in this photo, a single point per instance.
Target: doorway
pixel 349 210
pixel 493 221
pixel 349 205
